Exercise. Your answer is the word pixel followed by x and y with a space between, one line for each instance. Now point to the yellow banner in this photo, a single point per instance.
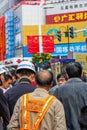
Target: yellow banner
pixel 81 57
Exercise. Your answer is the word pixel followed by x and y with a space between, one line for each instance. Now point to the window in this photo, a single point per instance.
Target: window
pixel 85 5
pixel 66 7
pixel 71 7
pixel 75 6
pixel 62 8
pixel 80 5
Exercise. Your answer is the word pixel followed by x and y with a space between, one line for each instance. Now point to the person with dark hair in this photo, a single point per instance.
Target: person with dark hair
pixel 13 73
pixel 73 95
pixel 26 72
pixel 61 79
pixel 83 118
pixel 39 110
pixel 2 71
pixel 6 82
pixel 4 112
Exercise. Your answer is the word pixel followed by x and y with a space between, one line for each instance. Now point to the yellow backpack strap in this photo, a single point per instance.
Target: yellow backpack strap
pixel 25 119
pixel 40 115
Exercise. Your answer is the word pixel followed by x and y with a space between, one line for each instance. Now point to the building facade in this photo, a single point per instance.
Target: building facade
pixel 28 18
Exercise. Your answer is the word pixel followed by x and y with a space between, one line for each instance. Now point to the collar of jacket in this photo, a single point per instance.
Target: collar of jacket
pixel 41 90
pixel 74 79
pixel 24 81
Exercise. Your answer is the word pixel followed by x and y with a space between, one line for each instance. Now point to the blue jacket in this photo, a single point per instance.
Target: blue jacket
pixel 73 96
pixel 17 91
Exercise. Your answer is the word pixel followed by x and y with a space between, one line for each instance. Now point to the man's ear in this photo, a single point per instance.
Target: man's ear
pixel 32 77
pixel 51 84
pixel 81 75
pixel 67 76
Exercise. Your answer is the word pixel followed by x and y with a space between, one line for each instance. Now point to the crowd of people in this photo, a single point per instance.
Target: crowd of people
pixel 30 100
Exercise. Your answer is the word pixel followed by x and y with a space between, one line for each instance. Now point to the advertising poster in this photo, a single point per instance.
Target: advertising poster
pixel 82 58
pixel 18 45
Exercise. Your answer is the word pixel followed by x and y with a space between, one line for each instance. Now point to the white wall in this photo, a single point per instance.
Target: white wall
pixel 33 15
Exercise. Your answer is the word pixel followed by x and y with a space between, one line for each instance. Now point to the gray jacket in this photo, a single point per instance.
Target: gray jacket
pixel 73 96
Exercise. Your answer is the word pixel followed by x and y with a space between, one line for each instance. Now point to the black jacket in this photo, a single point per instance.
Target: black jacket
pixel 17 91
pixel 4 110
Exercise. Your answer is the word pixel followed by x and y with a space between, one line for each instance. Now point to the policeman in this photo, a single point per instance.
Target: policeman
pixel 26 72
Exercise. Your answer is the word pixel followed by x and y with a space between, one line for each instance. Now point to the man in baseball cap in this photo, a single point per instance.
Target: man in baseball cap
pixel 26 73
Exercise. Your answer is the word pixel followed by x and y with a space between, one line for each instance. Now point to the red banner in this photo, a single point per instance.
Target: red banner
pixel 2 38
pixel 33 44
pixel 48 43
pixel 67 17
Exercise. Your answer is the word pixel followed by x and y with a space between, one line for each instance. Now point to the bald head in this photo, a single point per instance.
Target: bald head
pixel 44 78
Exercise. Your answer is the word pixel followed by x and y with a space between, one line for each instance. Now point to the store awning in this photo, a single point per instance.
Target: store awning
pixel 67 60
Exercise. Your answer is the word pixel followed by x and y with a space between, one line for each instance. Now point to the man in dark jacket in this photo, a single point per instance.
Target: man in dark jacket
pixel 83 118
pixel 26 70
pixel 73 95
pixel 4 112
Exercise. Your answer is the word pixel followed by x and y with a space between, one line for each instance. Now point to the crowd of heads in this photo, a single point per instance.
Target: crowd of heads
pixel 44 78
pixel 11 75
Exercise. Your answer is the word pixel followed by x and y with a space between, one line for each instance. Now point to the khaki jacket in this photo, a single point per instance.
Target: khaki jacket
pixel 54 118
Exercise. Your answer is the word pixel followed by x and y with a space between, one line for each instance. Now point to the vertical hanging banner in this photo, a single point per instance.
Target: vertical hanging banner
pixel 48 43
pixel 2 38
pixel 33 44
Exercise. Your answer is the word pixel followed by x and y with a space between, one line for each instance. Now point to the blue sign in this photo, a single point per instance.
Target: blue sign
pixel 62 49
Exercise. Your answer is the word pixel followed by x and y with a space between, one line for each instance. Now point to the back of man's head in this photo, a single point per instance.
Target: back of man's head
pixel 74 70
pixel 44 78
